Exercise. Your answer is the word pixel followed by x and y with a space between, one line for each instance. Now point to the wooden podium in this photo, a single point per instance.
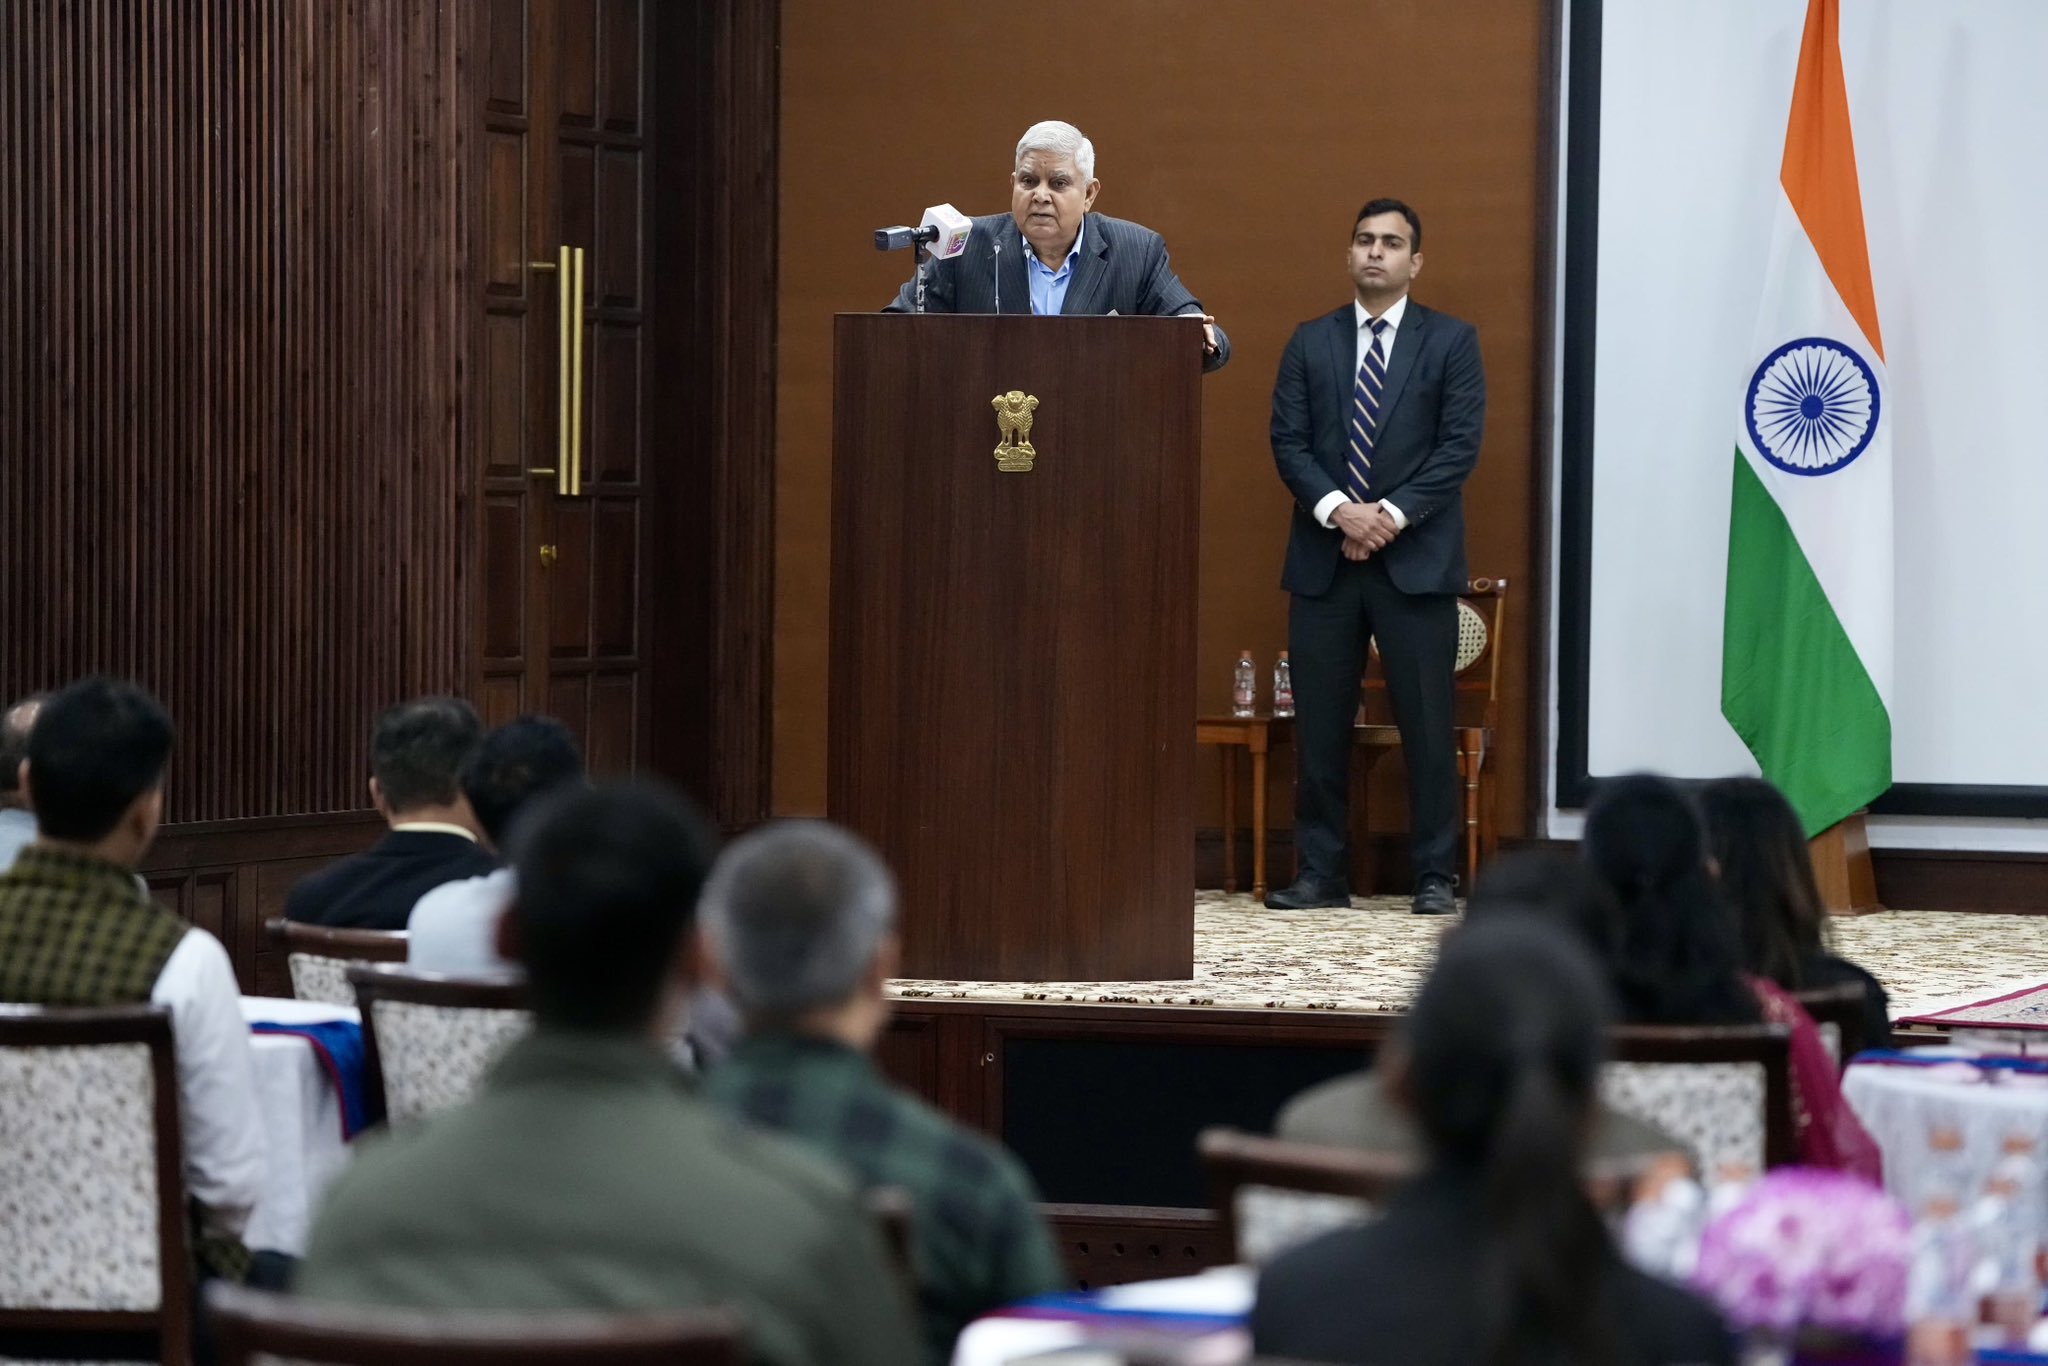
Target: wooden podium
pixel 1013 649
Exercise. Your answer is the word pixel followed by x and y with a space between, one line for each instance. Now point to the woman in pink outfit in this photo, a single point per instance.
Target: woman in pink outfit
pixel 1681 957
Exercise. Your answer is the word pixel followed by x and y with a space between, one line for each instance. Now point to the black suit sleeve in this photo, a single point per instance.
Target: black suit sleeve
pixel 1163 295
pixel 938 290
pixel 1293 432
pixel 1461 418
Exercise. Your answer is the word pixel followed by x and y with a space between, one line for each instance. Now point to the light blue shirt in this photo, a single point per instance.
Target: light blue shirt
pixel 17 832
pixel 1049 287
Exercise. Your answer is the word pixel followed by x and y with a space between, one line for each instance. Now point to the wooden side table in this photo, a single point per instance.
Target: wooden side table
pixel 1259 734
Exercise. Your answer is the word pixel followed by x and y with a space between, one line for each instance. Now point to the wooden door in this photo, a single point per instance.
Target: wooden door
pixel 563 503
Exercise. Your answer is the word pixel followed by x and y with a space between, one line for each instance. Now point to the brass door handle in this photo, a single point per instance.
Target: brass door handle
pixel 548 556
pixel 567 471
pixel 575 331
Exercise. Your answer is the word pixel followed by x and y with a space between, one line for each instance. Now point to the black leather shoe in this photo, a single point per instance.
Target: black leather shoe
pixel 1433 896
pixel 1308 894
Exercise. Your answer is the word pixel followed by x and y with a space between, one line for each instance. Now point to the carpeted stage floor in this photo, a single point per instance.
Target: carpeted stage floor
pixel 1373 957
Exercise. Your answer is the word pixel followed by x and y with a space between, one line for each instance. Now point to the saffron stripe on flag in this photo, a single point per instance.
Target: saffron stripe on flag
pixel 1819 168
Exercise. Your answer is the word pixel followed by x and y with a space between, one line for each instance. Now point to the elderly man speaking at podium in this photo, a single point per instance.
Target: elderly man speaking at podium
pixel 1050 254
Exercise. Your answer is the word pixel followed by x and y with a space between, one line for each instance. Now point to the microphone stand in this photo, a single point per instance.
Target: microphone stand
pixel 921 256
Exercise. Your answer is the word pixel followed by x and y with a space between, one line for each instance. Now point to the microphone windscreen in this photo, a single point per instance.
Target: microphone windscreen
pixel 954 227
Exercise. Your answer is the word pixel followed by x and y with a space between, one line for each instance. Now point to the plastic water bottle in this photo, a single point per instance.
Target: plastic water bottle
pixel 2005 1222
pixel 1663 1229
pixel 1244 687
pixel 1941 1301
pixel 1283 686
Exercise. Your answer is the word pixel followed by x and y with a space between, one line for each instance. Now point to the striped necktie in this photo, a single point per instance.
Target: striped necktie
pixel 1365 417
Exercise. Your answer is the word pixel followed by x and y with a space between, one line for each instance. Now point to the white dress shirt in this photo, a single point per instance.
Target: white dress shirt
pixel 1393 316
pixel 438 828
pixel 223 1133
pixel 453 929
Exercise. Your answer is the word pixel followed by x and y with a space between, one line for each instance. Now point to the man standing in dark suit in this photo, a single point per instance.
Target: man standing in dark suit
pixel 1377 416
pixel 416 756
pixel 1051 254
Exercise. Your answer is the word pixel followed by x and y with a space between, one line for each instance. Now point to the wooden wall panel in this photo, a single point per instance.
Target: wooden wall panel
pixel 1247 133
pixel 243 371
pixel 232 351
pixel 235 331
pixel 707 617
pixel 519 309
pixel 228 877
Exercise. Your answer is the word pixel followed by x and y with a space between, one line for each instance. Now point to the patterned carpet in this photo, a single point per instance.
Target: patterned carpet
pixel 1373 957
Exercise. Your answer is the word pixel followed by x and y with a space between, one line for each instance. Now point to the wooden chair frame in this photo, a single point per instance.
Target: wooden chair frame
pixel 1233 1160
pixel 1477 689
pixel 1840 1005
pixel 171 1322
pixel 1767 1045
pixel 253 1323
pixel 321 941
pixel 367 946
pixel 379 982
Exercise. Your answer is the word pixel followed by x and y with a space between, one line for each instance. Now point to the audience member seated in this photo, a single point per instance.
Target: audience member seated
pixel 17 822
pixel 587 1174
pixel 1354 1111
pixel 799 919
pixel 76 930
pixel 1681 957
pixel 416 756
pixel 1766 874
pixel 1496 1253
pixel 454 928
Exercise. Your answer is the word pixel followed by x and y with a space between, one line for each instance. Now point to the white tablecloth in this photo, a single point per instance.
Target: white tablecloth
pixel 301 1117
pixel 1943 1128
pixel 1221 1294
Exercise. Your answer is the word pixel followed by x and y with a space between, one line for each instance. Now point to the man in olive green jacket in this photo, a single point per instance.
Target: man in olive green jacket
pixel 587 1175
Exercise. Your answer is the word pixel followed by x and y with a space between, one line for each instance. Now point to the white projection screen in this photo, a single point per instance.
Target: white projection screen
pixel 1673 169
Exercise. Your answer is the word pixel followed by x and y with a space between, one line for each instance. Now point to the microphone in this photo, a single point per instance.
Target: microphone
pixel 944 229
pixel 949 228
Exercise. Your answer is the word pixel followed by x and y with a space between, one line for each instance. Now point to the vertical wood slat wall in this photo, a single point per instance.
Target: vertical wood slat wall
pixel 234 335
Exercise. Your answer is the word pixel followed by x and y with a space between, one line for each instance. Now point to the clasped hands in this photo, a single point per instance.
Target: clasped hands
pixel 1367 527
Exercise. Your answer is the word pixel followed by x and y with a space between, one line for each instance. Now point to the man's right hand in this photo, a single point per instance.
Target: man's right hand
pixel 1363 525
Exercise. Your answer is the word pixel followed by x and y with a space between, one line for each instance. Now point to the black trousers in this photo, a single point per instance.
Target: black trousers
pixel 1418 642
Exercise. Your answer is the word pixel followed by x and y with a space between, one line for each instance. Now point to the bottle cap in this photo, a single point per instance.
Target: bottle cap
pixel 1244 654
pixel 1283 654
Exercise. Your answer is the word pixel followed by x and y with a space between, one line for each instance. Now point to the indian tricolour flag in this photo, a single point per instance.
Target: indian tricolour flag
pixel 1806 670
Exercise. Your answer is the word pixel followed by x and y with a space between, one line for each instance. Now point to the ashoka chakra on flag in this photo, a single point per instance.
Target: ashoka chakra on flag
pixel 1812 406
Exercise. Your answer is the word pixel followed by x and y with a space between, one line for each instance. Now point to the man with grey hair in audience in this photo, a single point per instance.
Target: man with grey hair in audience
pixel 1051 253
pixel 799 923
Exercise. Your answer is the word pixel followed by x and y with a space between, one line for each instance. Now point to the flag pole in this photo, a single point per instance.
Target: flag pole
pixel 1842 867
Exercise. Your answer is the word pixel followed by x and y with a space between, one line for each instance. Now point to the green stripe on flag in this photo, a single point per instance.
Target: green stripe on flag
pixel 1792 685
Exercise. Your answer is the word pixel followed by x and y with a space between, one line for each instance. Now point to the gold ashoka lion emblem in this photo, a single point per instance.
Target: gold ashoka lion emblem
pixel 1013 419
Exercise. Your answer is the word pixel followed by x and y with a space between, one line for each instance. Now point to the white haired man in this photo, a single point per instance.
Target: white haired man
pixel 799 920
pixel 1051 253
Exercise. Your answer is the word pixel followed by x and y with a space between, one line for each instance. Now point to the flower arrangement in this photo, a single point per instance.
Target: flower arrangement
pixel 1810 1248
